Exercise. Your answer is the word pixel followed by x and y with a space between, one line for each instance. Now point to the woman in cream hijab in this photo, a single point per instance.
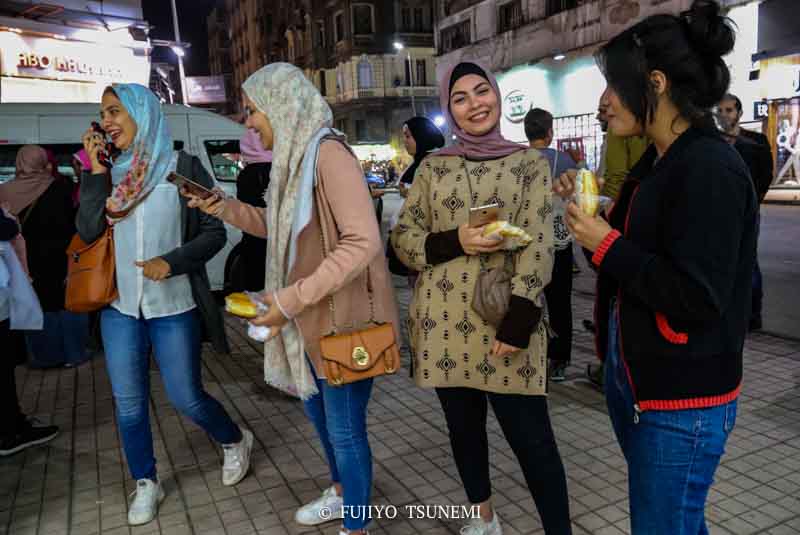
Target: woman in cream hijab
pixel 316 182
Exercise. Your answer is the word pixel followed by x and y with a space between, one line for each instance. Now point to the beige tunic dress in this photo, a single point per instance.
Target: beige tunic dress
pixel 451 344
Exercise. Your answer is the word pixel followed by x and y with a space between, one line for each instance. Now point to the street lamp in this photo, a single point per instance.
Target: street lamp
pixel 180 53
pixel 399 47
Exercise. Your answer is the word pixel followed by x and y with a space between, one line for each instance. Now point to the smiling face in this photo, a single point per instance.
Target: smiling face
pixel 729 114
pixel 258 121
pixel 117 122
pixel 409 141
pixel 474 105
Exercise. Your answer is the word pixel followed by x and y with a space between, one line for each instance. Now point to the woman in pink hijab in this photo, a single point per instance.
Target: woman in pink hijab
pixel 470 358
pixel 46 214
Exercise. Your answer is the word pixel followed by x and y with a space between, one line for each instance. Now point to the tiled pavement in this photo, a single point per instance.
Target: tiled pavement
pixel 79 484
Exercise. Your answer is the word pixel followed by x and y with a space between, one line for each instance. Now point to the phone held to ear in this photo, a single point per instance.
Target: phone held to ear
pixel 108 151
pixel 483 215
pixel 191 186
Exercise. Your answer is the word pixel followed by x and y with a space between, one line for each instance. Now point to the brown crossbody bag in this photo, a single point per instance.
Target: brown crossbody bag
pixel 359 354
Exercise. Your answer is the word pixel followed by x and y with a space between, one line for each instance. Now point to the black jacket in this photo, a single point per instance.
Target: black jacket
pixel 203 237
pixel 48 227
pixel 681 273
pixel 758 158
pixel 249 272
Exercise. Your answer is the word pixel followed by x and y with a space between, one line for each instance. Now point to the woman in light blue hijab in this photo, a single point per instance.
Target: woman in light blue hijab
pixel 164 303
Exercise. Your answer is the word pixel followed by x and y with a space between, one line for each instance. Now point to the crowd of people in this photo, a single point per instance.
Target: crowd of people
pixel 674 253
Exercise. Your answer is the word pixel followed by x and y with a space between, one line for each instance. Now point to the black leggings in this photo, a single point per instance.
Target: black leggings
pixel 526 425
pixel 559 306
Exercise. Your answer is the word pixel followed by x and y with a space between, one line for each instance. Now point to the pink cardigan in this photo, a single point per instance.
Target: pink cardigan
pixel 355 243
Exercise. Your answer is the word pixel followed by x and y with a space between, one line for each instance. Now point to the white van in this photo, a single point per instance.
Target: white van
pixel 59 127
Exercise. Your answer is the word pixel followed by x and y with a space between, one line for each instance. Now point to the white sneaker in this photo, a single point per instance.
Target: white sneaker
pixel 479 527
pixel 237 459
pixel 145 506
pixel 329 506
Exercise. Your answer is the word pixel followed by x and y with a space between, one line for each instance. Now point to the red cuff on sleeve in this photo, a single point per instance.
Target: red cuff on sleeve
pixel 605 245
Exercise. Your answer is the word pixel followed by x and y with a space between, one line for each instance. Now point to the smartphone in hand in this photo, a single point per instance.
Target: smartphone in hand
pixel 191 186
pixel 483 215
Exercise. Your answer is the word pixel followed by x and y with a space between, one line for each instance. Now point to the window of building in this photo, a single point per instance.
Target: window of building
pixel 421 74
pixel 455 36
pixel 338 27
pixel 361 130
pixel 510 16
pixel 405 17
pixel 268 23
pixel 365 77
pixel 363 19
pixel 321 34
pixel 419 20
pixel 341 125
pixel 409 81
pixel 557 6
pixel 323 88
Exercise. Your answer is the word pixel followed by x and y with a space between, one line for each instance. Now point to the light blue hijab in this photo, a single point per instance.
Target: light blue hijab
pixel 150 152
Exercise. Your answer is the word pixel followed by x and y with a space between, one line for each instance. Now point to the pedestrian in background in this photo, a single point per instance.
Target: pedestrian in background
pixel 46 212
pixel 17 431
pixel 165 305
pixel 675 265
pixel 469 361
pixel 757 155
pixel 251 187
pixel 558 294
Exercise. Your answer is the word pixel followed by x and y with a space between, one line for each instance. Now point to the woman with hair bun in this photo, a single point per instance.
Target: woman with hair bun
pixel 675 261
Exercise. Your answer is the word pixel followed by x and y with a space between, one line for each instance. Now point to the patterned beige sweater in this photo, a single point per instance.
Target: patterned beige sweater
pixel 451 344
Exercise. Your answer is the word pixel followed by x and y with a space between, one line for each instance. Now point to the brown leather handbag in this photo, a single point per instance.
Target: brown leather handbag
pixel 91 273
pixel 492 295
pixel 91 269
pixel 360 354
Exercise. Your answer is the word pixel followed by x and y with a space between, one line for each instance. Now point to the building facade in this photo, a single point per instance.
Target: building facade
pixel 348 49
pixel 543 54
pixel 70 52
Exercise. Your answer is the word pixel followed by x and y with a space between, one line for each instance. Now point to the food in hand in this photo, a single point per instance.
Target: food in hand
pixel 514 236
pixel 240 304
pixel 587 192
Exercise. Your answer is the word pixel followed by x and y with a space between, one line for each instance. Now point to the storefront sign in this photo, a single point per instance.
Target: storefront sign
pixel 516 106
pixel 205 89
pixel 760 110
pixel 44 64
pixel 54 59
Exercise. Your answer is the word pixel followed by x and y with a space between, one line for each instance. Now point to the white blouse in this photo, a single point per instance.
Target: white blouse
pixel 152 230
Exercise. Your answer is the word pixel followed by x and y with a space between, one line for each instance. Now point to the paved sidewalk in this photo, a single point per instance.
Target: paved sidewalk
pixel 79 484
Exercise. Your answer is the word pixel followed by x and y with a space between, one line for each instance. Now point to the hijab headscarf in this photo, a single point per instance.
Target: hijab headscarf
pixel 428 138
pixel 146 163
pixel 252 150
pixel 489 146
pixel 31 180
pixel 296 112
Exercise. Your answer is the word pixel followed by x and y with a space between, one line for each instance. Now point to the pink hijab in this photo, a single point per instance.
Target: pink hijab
pixel 252 149
pixel 32 179
pixel 490 146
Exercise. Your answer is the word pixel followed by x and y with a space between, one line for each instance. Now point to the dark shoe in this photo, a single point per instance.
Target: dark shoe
pixel 557 371
pixel 595 375
pixel 589 326
pixel 755 325
pixel 29 435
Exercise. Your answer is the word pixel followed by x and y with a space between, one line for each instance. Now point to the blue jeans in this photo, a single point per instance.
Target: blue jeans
pixel 175 341
pixel 339 413
pixel 671 455
pixel 63 340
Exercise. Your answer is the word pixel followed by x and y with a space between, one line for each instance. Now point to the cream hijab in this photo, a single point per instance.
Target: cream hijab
pixel 297 113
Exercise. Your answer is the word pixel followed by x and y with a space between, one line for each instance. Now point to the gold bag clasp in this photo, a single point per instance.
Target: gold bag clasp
pixel 360 356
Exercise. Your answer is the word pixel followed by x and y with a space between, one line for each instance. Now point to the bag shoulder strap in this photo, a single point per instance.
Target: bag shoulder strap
pixel 325 252
pixel 28 212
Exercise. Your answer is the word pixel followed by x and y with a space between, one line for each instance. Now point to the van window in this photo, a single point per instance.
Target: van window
pixel 225 158
pixel 63 152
